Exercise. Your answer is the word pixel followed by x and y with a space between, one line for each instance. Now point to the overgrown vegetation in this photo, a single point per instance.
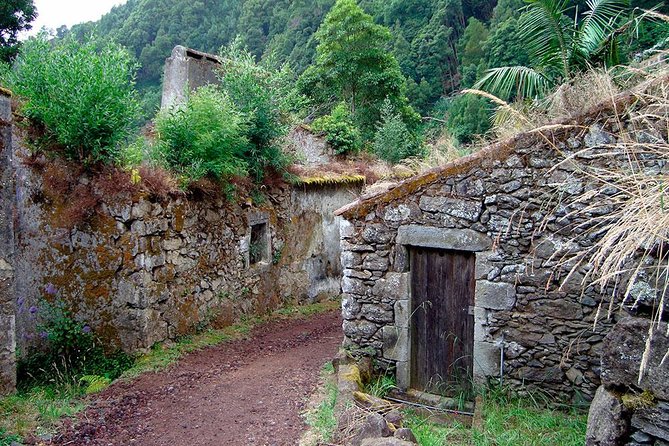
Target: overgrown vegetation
pixel 203 137
pixel 82 95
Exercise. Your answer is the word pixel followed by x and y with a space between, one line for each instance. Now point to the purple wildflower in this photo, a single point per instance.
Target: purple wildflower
pixel 33 309
pixel 86 329
pixel 20 302
pixel 44 335
pixel 50 289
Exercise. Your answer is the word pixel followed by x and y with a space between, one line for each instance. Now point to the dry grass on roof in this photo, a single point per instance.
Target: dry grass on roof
pixel 541 131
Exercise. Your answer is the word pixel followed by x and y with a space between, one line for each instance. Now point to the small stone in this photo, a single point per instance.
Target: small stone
pixel 405 434
pixel 394 417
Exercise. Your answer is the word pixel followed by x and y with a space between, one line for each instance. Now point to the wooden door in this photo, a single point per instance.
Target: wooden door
pixel 442 320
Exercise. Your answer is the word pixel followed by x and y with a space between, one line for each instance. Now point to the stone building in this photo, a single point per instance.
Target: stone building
pixel 481 248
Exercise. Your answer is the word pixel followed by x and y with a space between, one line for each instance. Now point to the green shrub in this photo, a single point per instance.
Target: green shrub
pixel 393 141
pixel 83 93
pixel 340 131
pixel 67 349
pixel 204 136
pixel 266 96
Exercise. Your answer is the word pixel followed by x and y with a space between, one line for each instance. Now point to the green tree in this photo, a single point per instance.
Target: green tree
pixel 15 16
pixel 353 65
pixel 468 116
pixel 393 141
pixel 559 46
pixel 505 46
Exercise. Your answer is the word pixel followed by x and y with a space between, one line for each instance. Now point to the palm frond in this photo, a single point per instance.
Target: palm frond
pixel 599 25
pixel 548 33
pixel 507 82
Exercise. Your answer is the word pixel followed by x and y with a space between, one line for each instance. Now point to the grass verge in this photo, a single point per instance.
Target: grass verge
pixel 322 419
pixel 37 409
pixel 507 421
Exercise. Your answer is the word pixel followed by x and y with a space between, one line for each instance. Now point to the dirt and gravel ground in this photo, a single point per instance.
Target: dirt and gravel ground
pixel 246 393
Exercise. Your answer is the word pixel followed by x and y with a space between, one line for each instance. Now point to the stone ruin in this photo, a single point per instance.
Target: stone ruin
pixel 533 325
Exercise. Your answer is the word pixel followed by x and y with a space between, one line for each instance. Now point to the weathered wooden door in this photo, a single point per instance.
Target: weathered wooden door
pixel 442 320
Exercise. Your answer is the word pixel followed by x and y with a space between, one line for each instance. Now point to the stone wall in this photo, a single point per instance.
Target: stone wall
pixel 7 319
pixel 628 410
pixel 503 204
pixel 186 70
pixel 143 270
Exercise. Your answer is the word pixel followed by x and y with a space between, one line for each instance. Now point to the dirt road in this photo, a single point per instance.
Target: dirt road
pixel 243 393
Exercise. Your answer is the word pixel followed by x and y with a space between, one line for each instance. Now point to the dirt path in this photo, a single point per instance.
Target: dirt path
pixel 241 393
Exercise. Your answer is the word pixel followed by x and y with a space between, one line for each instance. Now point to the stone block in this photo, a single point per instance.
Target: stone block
pixel 402 313
pixel 403 374
pixel 376 313
pixel 623 349
pixel 396 343
pixel 486 360
pixel 653 420
pixel 395 286
pixel 346 229
pixel 495 295
pixel 540 374
pixel 465 209
pixel 397 214
pixel 350 285
pixel 607 422
pixel 480 324
pixel 558 308
pixel 483 264
pixel 374 262
pixel 350 259
pixel 401 264
pixel 376 234
pixel 359 329
pixel 441 238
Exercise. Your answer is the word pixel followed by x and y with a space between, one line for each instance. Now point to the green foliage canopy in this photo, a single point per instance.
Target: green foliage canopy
pixel 353 64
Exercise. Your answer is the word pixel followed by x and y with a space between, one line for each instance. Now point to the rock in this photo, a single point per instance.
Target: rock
pixel 622 351
pixel 543 375
pixel 653 420
pixel 394 417
pixel 376 234
pixel 607 422
pixel 386 442
pixel 375 426
pixel 598 137
pixel 350 307
pixel 405 434
pixel 373 262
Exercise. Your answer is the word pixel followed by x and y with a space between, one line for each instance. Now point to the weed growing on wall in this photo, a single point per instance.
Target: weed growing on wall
pixel 66 350
pixel 203 137
pixel 83 93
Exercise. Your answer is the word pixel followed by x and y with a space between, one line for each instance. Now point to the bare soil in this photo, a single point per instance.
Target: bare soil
pixel 248 392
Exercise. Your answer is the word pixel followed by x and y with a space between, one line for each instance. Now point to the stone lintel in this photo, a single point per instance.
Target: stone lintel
pixel 441 238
